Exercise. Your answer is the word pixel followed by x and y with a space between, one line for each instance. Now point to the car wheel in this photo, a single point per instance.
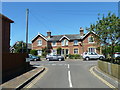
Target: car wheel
pixel 48 59
pixel 101 58
pixel 87 58
pixel 59 59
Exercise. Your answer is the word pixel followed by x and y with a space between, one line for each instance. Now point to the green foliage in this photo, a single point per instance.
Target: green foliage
pixel 20 47
pixel 74 56
pixel 33 52
pixel 45 51
pixel 59 50
pixel 108 30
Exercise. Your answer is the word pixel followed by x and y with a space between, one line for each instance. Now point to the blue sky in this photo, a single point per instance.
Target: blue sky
pixel 58 17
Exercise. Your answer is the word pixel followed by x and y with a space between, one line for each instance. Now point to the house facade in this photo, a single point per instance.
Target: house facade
pixel 69 43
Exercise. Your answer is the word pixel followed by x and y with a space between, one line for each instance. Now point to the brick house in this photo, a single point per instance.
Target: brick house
pixel 69 43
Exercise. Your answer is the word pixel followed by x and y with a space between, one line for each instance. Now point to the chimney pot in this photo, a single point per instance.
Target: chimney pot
pixel 49 34
pixel 81 31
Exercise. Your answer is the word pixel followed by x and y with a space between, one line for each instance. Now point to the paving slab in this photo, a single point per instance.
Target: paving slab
pixel 17 82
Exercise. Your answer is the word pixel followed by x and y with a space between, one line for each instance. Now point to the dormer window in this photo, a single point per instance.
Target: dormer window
pixel 75 42
pixel 39 42
pixel 54 43
pixel 91 39
pixel 65 42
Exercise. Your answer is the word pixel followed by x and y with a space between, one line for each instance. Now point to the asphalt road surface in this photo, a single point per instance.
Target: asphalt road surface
pixel 68 74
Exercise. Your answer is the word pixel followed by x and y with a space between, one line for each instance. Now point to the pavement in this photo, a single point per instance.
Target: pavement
pixel 20 81
pixel 63 74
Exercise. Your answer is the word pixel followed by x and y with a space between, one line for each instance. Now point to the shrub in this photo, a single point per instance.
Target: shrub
pixel 74 56
pixel 33 52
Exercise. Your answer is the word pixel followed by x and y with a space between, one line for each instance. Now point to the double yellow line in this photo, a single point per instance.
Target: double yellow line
pixel 36 79
pixel 104 81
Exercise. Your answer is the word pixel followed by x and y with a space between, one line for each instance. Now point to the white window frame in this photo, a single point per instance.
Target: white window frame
pixel 54 44
pixel 39 44
pixel 77 51
pixel 89 39
pixel 90 49
pixel 64 42
pixel 54 51
pixel 39 52
pixel 75 42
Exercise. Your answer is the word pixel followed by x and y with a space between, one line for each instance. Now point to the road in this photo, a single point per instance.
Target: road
pixel 68 74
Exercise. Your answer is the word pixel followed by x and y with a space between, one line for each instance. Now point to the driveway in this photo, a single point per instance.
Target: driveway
pixel 68 74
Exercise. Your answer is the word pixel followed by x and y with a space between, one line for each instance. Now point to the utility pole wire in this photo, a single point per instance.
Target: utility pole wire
pixel 37 19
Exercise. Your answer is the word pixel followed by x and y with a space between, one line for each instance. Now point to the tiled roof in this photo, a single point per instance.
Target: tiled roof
pixel 60 37
pixel 70 36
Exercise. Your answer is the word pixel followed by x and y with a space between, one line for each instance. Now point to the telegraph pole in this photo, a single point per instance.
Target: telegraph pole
pixel 27 12
pixel 119 9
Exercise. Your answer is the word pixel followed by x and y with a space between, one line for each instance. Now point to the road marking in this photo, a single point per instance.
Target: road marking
pixel 69 79
pixel 104 81
pixel 36 79
pixel 53 64
pixel 68 66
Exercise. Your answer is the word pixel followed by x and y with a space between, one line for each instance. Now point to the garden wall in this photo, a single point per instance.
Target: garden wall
pixel 109 68
pixel 11 62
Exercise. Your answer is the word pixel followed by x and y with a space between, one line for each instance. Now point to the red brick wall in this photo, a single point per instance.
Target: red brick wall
pixel 36 47
pixel 87 45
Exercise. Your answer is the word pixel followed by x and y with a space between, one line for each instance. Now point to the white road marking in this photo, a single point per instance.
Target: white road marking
pixel 53 64
pixel 69 79
pixel 68 66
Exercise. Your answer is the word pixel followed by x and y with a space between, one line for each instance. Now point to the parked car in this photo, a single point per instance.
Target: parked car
pixel 54 57
pixel 92 55
pixel 117 55
pixel 34 58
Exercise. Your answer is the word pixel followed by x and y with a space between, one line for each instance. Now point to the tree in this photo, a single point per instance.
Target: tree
pixel 108 30
pixel 45 51
pixel 33 52
pixel 20 47
pixel 59 50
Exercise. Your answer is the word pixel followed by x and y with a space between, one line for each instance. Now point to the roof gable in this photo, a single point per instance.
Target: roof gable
pixel 64 37
pixel 40 36
pixel 89 33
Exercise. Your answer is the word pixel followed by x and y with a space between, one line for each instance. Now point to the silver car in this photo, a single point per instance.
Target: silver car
pixel 54 57
pixel 92 55
pixel 117 55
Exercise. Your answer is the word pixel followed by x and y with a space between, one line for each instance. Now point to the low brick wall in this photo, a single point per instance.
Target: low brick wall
pixel 11 62
pixel 112 69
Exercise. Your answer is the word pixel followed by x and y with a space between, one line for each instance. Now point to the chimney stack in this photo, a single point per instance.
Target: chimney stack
pixel 49 34
pixel 81 31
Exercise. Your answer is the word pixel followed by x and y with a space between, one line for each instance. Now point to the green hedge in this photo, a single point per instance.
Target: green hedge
pixel 33 52
pixel 74 56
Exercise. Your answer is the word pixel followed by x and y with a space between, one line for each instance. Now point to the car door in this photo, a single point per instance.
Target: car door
pixel 95 55
pixel 91 55
pixel 55 57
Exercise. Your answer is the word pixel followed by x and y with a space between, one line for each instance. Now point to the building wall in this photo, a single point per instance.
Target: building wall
pixel 5 36
pixel 87 45
pixel 35 44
